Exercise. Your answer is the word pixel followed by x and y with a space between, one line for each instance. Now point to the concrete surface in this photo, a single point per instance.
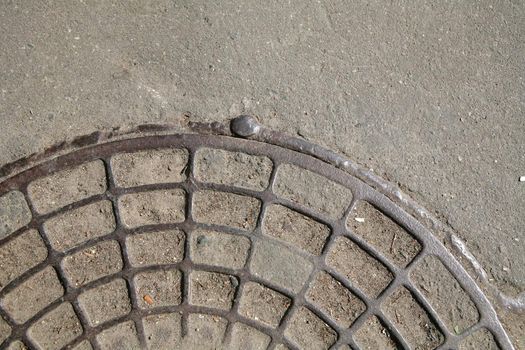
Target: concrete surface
pixel 429 94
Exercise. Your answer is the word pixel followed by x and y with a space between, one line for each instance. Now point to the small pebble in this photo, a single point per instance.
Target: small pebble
pixel 148 299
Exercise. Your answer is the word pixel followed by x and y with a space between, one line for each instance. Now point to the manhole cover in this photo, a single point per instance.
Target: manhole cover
pixel 211 241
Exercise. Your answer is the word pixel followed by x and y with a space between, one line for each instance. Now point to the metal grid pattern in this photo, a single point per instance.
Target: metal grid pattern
pixel 279 155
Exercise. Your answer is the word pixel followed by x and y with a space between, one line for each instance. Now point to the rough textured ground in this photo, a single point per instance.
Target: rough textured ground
pixel 429 95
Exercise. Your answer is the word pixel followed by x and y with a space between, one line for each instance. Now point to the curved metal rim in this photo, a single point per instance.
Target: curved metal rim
pixel 312 158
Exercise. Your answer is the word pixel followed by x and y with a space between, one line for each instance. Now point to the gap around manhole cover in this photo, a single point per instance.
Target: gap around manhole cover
pixel 211 241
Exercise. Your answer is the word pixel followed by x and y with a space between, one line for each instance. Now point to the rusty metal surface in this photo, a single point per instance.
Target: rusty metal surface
pixel 281 149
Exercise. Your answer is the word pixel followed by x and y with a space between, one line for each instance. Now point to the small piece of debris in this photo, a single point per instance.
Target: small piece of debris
pixel 522 178
pixel 201 240
pixel 360 219
pixel 392 244
pixel 148 299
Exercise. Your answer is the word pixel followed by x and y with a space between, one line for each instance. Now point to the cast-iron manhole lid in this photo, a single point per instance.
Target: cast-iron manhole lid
pixel 222 240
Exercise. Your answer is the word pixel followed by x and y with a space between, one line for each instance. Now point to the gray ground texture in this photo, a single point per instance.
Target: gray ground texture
pixel 430 95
